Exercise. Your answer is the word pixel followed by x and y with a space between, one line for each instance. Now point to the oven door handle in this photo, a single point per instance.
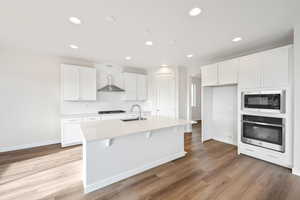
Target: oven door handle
pixel 264 124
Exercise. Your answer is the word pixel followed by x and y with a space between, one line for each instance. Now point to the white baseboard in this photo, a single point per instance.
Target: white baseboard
pixel 224 140
pixel 296 172
pixel 124 175
pixel 27 146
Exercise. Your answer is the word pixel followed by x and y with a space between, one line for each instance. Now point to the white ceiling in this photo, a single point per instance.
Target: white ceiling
pixel 43 26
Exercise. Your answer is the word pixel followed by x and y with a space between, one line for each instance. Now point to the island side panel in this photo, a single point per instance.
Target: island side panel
pixel 129 155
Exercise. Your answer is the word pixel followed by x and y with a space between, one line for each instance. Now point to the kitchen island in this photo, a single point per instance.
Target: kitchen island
pixel 114 149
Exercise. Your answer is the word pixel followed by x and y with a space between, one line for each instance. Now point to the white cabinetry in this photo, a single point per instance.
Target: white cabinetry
pixel 130 86
pixel 141 87
pixel 269 69
pixel 70 80
pixel 275 67
pixel 228 72
pixel 209 75
pixel 78 83
pixel 223 73
pixel 135 86
pixel 71 132
pixel 249 72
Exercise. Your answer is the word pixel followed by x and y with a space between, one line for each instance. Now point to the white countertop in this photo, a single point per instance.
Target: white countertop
pixel 70 116
pixel 108 129
pixel 83 115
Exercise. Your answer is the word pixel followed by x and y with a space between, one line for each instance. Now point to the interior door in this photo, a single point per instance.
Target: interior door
pixel 166 99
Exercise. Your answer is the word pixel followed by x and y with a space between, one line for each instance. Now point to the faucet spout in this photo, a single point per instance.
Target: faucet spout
pixel 139 108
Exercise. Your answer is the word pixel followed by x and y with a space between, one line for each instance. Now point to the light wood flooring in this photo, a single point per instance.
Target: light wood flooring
pixel 209 171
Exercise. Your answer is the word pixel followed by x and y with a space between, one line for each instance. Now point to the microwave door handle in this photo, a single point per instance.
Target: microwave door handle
pixel 264 124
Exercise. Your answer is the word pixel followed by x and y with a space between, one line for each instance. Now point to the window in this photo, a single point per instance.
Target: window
pixel 193 95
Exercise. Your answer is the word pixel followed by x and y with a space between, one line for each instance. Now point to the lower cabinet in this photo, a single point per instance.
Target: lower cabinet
pixel 70 132
pixel 278 158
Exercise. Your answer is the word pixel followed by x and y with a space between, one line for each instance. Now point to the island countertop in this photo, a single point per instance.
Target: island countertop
pixel 108 129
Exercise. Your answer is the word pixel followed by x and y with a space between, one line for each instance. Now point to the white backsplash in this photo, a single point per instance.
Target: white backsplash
pixel 106 101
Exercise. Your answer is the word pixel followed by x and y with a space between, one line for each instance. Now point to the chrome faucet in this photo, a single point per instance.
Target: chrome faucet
pixel 140 110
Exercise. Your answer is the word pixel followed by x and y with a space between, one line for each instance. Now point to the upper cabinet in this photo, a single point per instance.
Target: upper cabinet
pixel 130 86
pixel 223 73
pixel 228 72
pixel 135 86
pixel 209 75
pixel 269 69
pixel 275 71
pixel 78 83
pixel 249 71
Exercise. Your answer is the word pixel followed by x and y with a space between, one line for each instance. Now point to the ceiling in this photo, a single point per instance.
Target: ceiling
pixel 43 26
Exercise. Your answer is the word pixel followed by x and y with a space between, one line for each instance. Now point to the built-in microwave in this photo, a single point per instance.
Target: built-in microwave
pixel 264 101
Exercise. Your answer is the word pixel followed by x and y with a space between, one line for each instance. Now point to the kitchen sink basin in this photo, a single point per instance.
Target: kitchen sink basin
pixel 133 119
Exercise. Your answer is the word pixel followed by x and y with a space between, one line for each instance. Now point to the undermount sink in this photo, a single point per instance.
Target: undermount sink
pixel 133 119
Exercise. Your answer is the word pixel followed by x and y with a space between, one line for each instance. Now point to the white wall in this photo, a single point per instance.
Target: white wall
pixel 296 168
pixel 30 93
pixel 31 99
pixel 219 114
pixel 183 93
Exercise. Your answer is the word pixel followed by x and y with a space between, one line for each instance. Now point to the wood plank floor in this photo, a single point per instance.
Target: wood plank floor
pixel 209 171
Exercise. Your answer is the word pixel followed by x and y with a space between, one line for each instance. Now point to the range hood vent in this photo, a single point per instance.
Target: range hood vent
pixel 110 87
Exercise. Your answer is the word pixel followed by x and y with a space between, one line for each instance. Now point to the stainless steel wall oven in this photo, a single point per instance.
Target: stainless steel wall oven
pixel 266 132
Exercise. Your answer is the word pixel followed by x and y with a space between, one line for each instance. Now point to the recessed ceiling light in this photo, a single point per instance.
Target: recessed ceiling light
pixel 189 55
pixel 75 20
pixel 127 58
pixel 195 11
pixel 164 65
pixel 149 43
pixel 237 39
pixel 73 46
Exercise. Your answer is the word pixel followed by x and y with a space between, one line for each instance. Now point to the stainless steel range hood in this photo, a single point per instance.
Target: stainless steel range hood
pixel 110 87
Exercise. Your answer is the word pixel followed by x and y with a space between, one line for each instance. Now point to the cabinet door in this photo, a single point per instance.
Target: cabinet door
pixel 275 67
pixel 249 71
pixel 209 75
pixel 87 84
pixel 70 82
pixel 71 132
pixel 141 87
pixel 228 72
pixel 130 86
